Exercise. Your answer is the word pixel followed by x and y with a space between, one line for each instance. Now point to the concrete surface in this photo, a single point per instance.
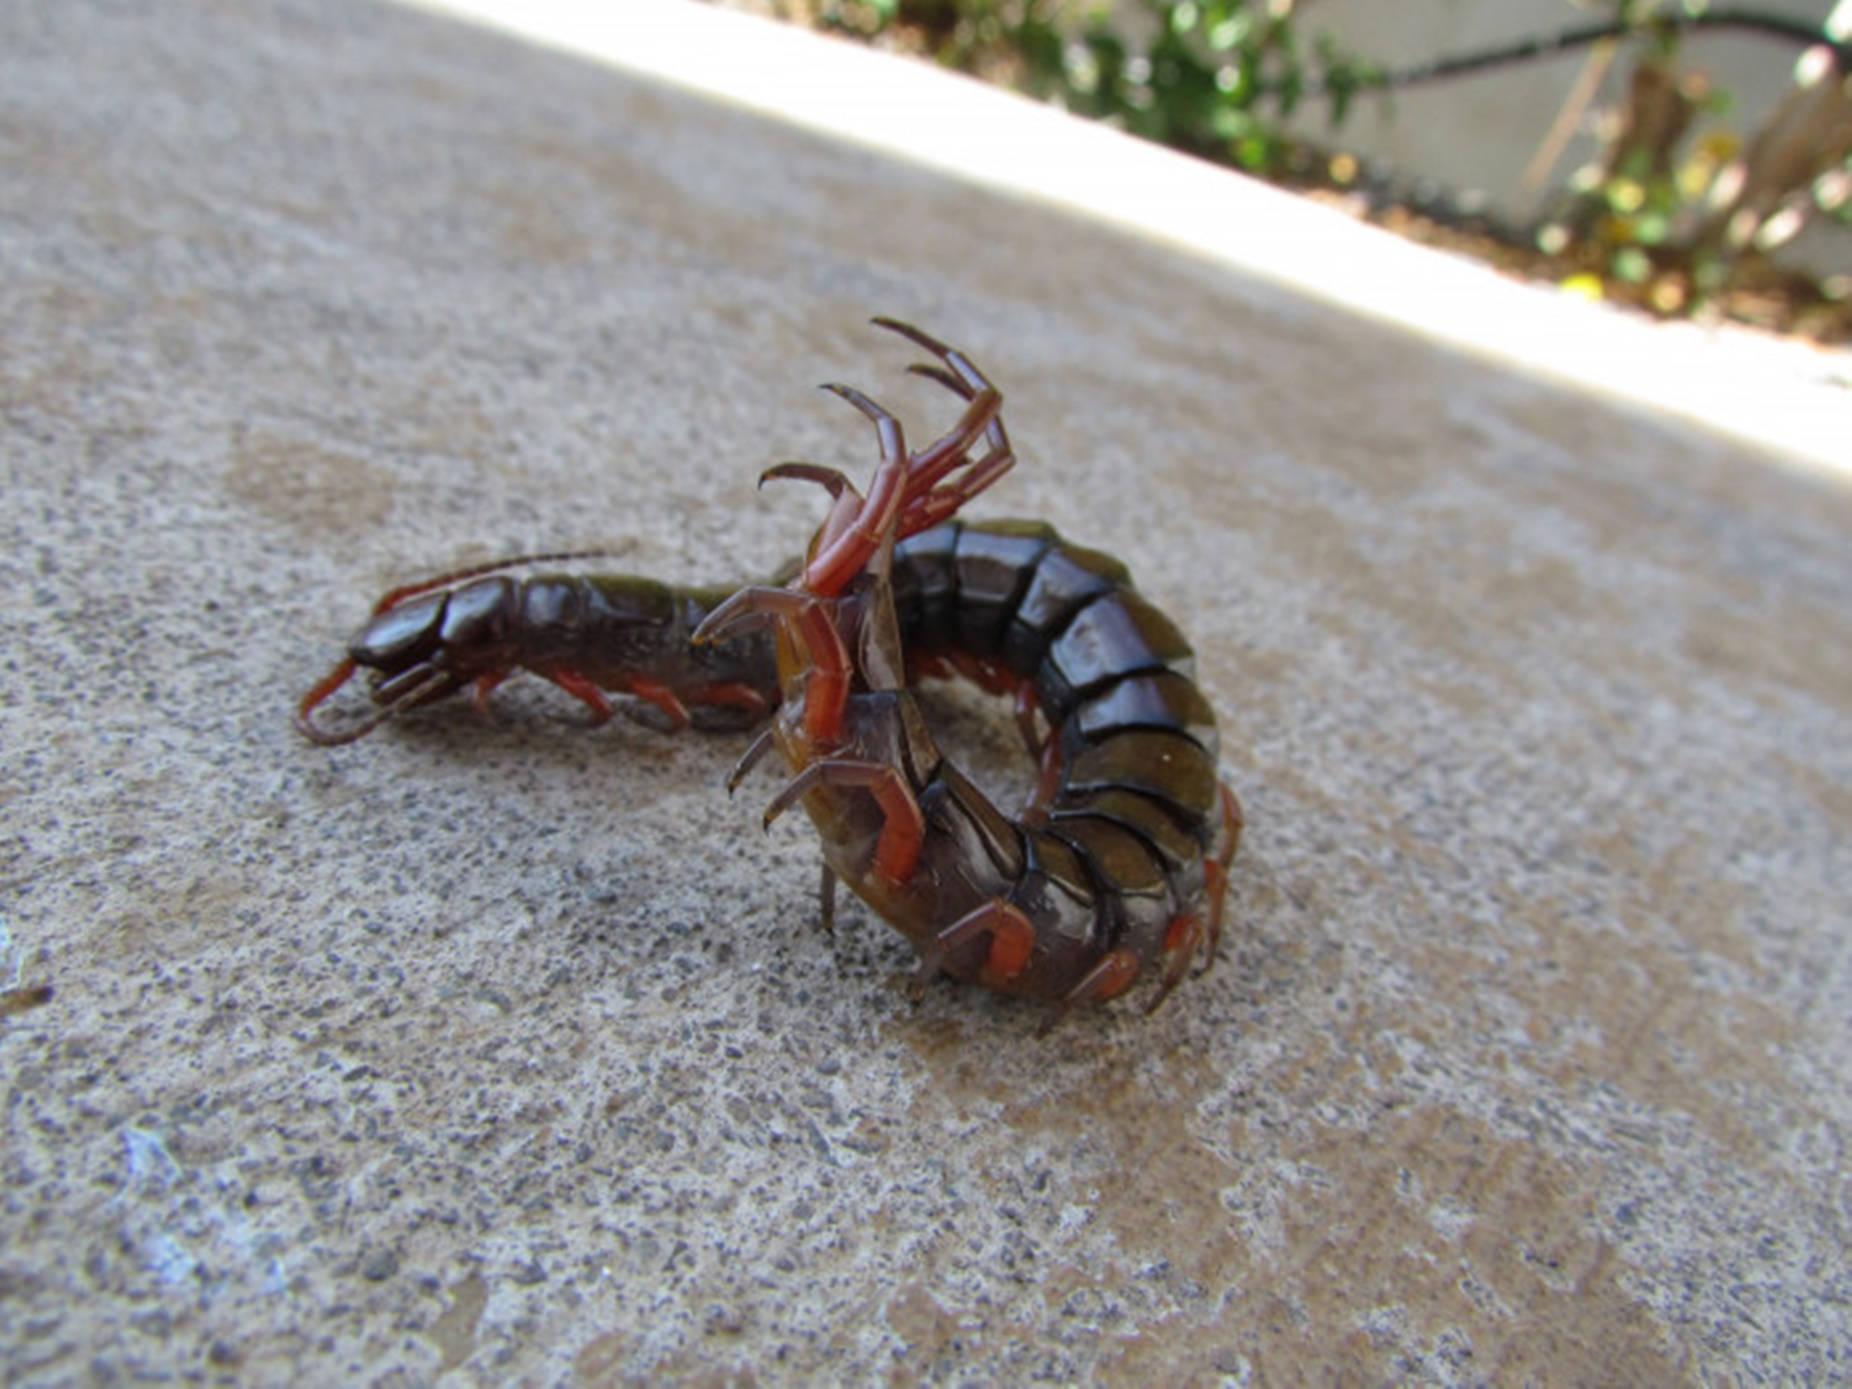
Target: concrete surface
pixel 507 1056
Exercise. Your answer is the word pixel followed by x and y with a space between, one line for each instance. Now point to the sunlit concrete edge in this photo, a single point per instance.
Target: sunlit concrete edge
pixel 1784 396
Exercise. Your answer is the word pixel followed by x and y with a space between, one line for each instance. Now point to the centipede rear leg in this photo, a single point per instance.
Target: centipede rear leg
pixel 1182 939
pixel 1110 977
pixel 983 403
pixel 856 526
pixel 930 502
pixel 831 480
pixel 826 900
pixel 906 495
pixel 1191 932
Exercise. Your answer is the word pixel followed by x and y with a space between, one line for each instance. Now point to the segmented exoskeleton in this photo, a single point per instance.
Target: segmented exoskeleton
pixel 587 633
pixel 1119 861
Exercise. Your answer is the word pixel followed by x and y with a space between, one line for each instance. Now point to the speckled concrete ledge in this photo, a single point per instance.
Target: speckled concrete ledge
pixel 508 1055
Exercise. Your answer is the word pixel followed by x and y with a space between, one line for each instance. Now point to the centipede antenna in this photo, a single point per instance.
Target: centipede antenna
pixel 396 596
pixel 325 687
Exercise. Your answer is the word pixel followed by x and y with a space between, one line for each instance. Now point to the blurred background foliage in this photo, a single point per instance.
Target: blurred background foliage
pixel 1678 215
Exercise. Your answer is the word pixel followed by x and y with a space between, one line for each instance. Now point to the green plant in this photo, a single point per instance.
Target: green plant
pixel 1211 77
pixel 1648 220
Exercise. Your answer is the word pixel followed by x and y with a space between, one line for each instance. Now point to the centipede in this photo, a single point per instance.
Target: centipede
pixel 1116 867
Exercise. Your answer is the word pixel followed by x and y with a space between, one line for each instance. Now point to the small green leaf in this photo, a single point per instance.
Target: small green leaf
pixel 1631 265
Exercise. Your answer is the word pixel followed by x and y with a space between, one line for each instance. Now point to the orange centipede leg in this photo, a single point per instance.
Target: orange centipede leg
pixel 479 691
pixel 826 692
pixel 734 694
pixel 659 694
pixel 1012 942
pixel 983 402
pixel 843 552
pixel 1215 869
pixel 581 688
pixel 903 828
pixel 1112 976
pixel 1181 940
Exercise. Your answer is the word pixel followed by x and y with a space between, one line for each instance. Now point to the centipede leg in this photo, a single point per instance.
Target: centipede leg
pixel 903 828
pixel 831 480
pixel 479 691
pixel 826 692
pixel 734 694
pixel 305 712
pixel 1215 869
pixel 1026 706
pixel 980 416
pixel 393 697
pixel 925 476
pixel 931 504
pixel 826 900
pixel 755 752
pixel 421 684
pixel 1047 783
pixel 853 533
pixel 846 502
pixel 1112 976
pixel 1182 939
pixel 651 692
pixel 1012 942
pixel 927 510
pixel 581 688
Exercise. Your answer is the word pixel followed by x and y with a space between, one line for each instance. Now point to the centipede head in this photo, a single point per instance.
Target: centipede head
pixel 425 641
pixel 403 650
